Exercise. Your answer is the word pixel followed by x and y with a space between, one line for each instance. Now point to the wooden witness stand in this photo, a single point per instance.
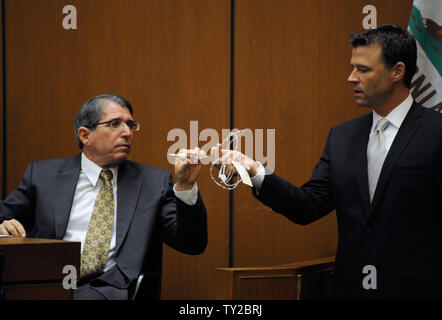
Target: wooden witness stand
pixel 33 268
pixel 295 281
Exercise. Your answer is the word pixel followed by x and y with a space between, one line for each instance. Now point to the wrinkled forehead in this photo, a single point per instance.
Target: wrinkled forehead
pixel 112 110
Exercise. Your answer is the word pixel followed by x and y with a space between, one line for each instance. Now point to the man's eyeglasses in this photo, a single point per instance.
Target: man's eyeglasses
pixel 118 124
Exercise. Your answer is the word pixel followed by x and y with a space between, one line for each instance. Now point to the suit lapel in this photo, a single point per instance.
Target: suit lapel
pixel 405 133
pixel 361 160
pixel 128 191
pixel 64 183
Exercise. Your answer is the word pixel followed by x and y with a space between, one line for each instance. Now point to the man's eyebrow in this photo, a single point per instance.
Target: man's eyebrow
pixel 114 119
pixel 359 66
pixel 106 121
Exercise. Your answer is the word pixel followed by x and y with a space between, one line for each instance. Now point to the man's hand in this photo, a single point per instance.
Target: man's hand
pixel 188 168
pixel 12 227
pixel 227 156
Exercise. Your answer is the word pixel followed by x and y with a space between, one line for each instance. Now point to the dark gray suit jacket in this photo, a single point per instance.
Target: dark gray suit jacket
pixel 400 232
pixel 148 213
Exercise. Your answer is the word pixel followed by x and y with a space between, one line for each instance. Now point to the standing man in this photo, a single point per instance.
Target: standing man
pixel 120 210
pixel 382 172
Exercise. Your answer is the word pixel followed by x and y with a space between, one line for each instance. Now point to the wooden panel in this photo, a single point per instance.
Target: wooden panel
pixel 33 268
pixel 292 62
pixel 296 281
pixel 277 287
pixel 170 58
pixel 28 259
pixel 37 292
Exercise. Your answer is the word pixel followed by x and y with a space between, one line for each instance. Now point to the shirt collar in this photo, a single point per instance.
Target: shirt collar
pixel 397 115
pixel 92 170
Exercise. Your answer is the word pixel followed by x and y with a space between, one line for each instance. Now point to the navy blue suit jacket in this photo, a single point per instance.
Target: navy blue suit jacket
pixel 400 232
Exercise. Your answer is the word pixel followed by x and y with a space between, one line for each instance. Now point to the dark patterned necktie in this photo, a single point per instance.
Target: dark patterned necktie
pixel 99 232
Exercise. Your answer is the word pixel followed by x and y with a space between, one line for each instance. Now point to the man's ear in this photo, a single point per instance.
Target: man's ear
pixel 398 71
pixel 84 135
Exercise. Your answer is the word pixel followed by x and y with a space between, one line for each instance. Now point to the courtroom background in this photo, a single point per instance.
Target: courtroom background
pixel 258 64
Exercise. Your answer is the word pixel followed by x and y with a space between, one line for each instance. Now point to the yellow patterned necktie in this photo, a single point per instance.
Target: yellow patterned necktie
pixel 99 232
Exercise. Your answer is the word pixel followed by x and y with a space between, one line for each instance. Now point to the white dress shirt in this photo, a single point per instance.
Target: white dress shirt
pixel 86 191
pixel 396 117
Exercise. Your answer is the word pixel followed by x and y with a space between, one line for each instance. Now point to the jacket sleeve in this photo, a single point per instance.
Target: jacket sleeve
pixel 304 204
pixel 184 226
pixel 20 203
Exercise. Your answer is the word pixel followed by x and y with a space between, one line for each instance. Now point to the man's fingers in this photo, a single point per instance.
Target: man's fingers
pixel 19 227
pixel 201 153
pixel 8 228
pixel 12 227
pixel 215 154
pixel 3 230
pixel 193 156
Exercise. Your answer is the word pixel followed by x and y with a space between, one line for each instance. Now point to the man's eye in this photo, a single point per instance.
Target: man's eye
pixel 116 123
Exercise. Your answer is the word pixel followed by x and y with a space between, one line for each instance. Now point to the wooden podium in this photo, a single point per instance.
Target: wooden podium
pixel 33 268
pixel 295 281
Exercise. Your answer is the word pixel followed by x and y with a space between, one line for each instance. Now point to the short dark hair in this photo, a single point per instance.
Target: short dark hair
pixel 397 45
pixel 90 113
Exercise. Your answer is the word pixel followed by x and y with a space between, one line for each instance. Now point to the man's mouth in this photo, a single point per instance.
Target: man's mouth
pixel 126 146
pixel 357 92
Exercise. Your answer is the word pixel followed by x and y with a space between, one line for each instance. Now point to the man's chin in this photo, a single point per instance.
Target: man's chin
pixel 122 158
pixel 118 160
pixel 363 104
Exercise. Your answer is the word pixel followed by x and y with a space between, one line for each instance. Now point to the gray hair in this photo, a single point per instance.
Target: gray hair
pixel 90 113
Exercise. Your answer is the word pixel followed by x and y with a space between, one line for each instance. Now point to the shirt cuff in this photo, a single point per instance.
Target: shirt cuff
pixel 258 179
pixel 189 197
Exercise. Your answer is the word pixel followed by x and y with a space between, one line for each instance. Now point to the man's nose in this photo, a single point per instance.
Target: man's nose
pixel 352 77
pixel 125 130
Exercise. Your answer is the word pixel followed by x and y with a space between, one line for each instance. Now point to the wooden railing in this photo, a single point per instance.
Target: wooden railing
pixel 33 268
pixel 295 281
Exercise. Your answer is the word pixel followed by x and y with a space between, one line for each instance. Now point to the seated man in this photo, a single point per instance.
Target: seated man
pixel 121 211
